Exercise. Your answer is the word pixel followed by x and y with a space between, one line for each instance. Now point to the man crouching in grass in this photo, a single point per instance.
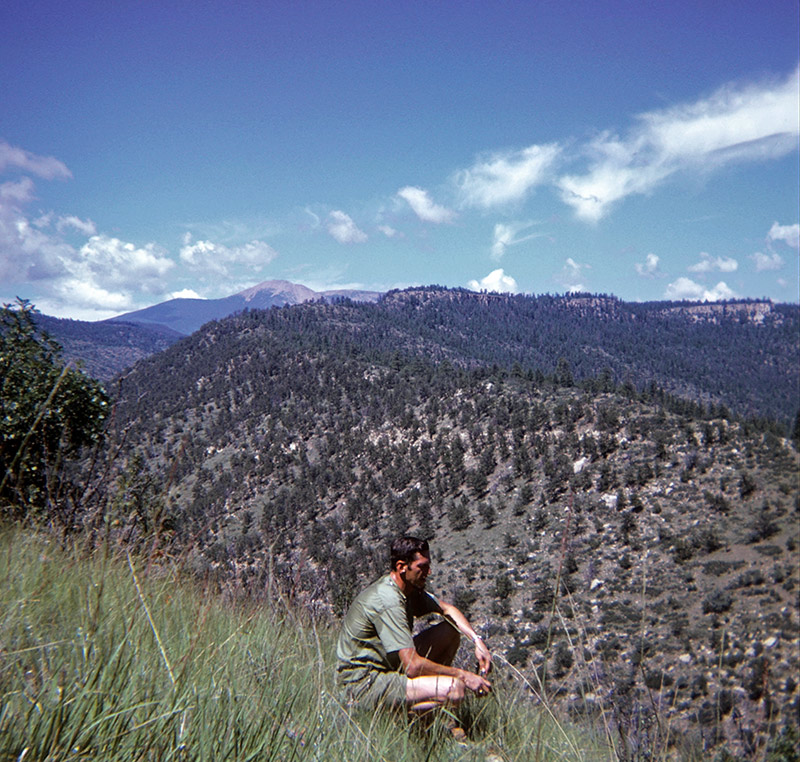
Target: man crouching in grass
pixel 380 663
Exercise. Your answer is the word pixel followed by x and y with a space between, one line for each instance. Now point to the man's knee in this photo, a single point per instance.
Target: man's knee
pixel 455 694
pixel 432 691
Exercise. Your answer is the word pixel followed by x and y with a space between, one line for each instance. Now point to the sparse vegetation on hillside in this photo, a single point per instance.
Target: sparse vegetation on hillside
pixel 596 531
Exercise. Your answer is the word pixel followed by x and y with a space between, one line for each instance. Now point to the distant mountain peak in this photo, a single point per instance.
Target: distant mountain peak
pixel 187 315
pixel 293 291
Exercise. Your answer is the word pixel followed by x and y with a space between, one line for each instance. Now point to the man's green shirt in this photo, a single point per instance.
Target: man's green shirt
pixel 378 625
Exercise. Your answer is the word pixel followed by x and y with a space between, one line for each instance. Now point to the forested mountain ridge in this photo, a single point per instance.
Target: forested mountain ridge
pixel 741 355
pixel 627 546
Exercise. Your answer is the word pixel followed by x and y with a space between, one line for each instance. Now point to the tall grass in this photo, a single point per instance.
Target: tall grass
pixel 100 660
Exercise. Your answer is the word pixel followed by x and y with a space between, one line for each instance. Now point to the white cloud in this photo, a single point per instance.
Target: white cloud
pixel 111 260
pixel 16 192
pixel 496 281
pixel 504 178
pixel 100 275
pixel 708 264
pixel 85 294
pixel 186 293
pixel 789 234
pixel 687 289
pixel 508 235
pixel 108 272
pixel 648 269
pixel 769 261
pixel 86 227
pixel 419 200
pixel 45 167
pixel 750 123
pixel 27 253
pixel 218 258
pixel 343 229
pixel 571 275
pixel 388 231
pixel 95 279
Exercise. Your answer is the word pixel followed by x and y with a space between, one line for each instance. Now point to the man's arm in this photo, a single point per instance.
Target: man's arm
pixel 459 621
pixel 415 665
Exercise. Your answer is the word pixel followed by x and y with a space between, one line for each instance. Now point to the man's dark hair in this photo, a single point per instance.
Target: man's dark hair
pixel 406 549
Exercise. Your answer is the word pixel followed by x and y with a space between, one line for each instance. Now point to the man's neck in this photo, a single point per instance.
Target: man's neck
pixel 405 588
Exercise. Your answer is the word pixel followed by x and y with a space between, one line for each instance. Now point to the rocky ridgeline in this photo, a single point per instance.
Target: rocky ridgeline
pixel 753 312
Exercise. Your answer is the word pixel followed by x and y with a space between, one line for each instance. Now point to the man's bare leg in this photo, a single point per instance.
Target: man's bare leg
pixel 438 643
pixel 432 692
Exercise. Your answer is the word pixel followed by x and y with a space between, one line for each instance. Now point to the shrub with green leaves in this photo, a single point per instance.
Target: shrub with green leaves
pixel 48 412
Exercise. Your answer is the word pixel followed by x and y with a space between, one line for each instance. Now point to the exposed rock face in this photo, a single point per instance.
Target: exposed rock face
pixel 754 312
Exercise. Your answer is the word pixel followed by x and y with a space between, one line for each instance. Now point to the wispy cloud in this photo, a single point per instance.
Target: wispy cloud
pixel 506 235
pixel 504 178
pixel 85 227
pixel 685 289
pixel 16 192
pixel 424 207
pixel 571 275
pixel 648 268
pixel 496 281
pixel 46 167
pixel 389 231
pixel 745 123
pixel 709 264
pixel 343 229
pixel 770 260
pixel 789 234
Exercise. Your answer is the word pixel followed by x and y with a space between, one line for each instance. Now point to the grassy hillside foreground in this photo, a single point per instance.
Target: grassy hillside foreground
pixel 101 658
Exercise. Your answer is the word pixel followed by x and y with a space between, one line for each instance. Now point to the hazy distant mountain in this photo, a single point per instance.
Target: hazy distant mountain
pixel 187 315
pixel 105 349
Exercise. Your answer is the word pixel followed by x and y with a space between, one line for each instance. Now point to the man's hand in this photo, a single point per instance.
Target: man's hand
pixel 480 686
pixel 484 657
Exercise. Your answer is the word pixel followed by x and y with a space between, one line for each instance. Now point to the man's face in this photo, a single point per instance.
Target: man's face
pixel 417 571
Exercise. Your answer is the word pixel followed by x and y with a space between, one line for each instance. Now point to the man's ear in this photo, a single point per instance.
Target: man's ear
pixel 400 566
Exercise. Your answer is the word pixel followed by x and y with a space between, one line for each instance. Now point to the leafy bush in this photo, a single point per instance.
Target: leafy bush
pixel 48 412
pixel 749 578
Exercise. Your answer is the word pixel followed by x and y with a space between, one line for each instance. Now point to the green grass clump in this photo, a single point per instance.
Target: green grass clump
pixel 101 660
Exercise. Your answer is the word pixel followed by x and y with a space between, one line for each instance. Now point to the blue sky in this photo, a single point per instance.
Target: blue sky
pixel 154 149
